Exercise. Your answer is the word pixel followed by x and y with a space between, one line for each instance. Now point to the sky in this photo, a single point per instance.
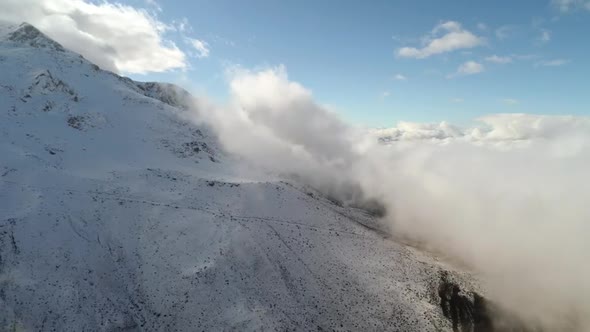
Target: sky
pixel 373 62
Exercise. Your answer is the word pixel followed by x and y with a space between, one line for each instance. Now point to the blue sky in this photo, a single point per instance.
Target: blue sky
pixel 517 56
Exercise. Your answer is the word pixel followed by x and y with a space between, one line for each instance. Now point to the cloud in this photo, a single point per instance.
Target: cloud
pixel 525 57
pixel 545 36
pixel 468 68
pixel 510 101
pixel 503 131
pixel 411 131
pixel 182 25
pixel 505 32
pixel 385 94
pixel 457 100
pixel 571 5
pixel 116 37
pixel 271 116
pixel 288 111
pixel 508 127
pixel 200 46
pixel 154 4
pixel 482 26
pixel 400 77
pixel 552 63
pixel 503 196
pixel 445 37
pixel 499 59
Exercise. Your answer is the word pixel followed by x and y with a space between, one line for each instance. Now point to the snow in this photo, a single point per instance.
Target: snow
pixel 116 214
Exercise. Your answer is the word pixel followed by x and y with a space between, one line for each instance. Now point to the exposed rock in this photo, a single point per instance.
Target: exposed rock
pixel 44 83
pixel 167 93
pixel 469 311
pixel 27 34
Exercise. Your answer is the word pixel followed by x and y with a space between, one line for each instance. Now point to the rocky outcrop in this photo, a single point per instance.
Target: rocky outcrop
pixel 469 311
pixel 29 35
pixel 167 93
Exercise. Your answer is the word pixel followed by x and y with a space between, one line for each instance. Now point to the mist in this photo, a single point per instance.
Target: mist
pixel 506 197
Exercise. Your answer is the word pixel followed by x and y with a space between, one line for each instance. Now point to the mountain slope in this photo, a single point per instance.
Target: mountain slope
pixel 116 214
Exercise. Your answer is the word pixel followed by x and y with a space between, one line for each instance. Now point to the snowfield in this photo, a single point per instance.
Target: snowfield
pixel 118 215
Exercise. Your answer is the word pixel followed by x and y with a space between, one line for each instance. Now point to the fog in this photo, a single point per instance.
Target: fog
pixel 508 197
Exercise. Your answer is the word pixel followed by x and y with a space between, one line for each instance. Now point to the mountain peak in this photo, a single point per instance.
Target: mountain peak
pixel 27 34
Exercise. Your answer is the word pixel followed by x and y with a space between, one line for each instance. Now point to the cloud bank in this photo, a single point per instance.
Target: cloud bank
pixel 116 37
pixel 507 196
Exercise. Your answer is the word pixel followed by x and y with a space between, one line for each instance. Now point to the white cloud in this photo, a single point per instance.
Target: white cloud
pixel 504 197
pixel 457 100
pixel 453 37
pixel 468 68
pixel 154 4
pixel 499 59
pixel 116 37
pixel 385 94
pixel 508 129
pixel 505 31
pixel 510 101
pixel 400 77
pixel 482 26
pixel 571 5
pixel 281 116
pixel 182 25
pixel 525 57
pixel 545 36
pixel 200 46
pixel 553 63
pixel 410 131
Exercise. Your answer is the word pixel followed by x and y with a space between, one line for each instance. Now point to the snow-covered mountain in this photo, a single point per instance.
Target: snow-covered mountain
pixel 118 215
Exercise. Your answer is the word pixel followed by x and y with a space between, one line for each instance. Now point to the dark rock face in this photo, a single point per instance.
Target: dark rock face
pixel 167 93
pixel 466 311
pixel 29 35
pixel 470 312
pixel 45 82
